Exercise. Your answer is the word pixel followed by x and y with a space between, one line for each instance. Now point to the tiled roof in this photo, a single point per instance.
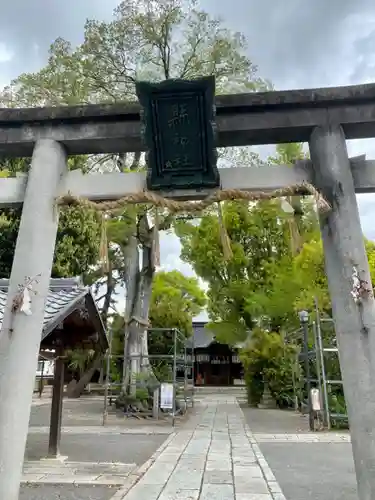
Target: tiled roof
pixel 61 301
pixel 202 336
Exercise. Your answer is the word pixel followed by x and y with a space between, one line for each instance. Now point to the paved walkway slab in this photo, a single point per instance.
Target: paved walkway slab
pixel 314 465
pixel 275 421
pixel 65 492
pixel 314 470
pixel 321 437
pixel 111 447
pixel 105 430
pixel 88 412
pixel 59 472
pixel 213 457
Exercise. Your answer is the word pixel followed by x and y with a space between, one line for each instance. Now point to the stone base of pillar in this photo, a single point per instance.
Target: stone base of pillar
pixel 267 402
pixel 54 460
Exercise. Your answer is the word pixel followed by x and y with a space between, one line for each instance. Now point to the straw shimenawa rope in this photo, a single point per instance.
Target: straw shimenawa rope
pixel 174 206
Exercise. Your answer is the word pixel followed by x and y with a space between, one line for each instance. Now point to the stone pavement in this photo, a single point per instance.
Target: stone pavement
pixel 107 430
pixel 309 465
pixel 65 492
pixel 213 457
pixel 64 472
pixel 88 412
pixel 40 402
pixel 312 470
pixel 97 456
pixel 322 437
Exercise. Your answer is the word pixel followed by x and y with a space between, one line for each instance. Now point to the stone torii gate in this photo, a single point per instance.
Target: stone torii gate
pixel 324 118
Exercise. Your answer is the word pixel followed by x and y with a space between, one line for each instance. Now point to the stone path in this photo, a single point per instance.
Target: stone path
pixel 108 430
pixel 40 402
pixel 311 470
pixel 214 457
pixel 60 472
pixel 322 437
pixel 65 492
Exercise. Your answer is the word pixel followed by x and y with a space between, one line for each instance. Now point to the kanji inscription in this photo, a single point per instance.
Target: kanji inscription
pixel 178 118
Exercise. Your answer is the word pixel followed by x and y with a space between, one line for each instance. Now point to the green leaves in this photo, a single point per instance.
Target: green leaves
pixel 175 300
pixel 150 40
pixel 77 242
pixel 267 358
pixel 9 223
pixel 267 280
pixel 229 332
pixel 259 238
pixel 145 41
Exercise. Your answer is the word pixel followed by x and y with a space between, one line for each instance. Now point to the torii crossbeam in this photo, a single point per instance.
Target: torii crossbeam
pixel 113 186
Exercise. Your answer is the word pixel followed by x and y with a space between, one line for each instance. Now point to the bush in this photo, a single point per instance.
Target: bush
pixel 142 395
pixel 267 357
pixel 337 405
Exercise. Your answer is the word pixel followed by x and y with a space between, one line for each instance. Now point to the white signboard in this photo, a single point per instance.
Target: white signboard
pixel 166 396
pixel 46 368
pixel 315 399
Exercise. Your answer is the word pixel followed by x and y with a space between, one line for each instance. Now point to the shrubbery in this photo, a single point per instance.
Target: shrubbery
pixel 267 358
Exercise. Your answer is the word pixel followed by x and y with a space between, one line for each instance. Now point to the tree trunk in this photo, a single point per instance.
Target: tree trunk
pixel 137 341
pixel 79 387
pixel 131 280
pixel 138 297
pixel 141 310
pixel 145 289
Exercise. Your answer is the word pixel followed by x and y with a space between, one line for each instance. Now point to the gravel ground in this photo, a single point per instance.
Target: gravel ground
pixel 88 412
pixel 314 471
pixel 124 448
pixel 66 492
pixel 75 412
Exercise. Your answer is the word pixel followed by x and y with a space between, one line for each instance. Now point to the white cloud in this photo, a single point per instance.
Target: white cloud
pixel 6 55
pixel 170 249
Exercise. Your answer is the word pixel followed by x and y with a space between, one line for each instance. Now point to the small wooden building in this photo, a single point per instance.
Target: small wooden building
pixel 215 364
pixel 71 321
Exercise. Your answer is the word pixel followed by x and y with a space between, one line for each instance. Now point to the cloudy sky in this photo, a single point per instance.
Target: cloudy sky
pixel 295 44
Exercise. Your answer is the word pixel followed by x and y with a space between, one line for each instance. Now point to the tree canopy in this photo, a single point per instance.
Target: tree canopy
pixel 263 284
pixel 258 237
pixel 149 40
pixel 277 266
pixel 175 301
pixel 152 40
pixel 77 241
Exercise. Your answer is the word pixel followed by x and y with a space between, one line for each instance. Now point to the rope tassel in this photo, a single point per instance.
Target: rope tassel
pixel 224 237
pixel 156 241
pixel 103 247
pixel 295 237
pixel 295 213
